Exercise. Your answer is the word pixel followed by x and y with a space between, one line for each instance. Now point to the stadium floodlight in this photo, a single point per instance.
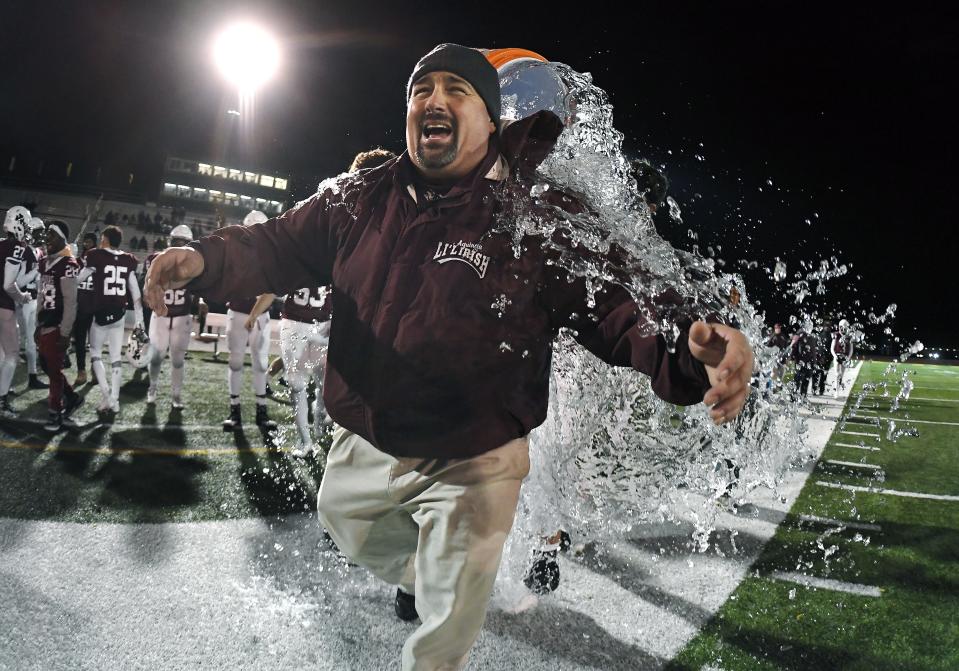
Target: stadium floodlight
pixel 247 55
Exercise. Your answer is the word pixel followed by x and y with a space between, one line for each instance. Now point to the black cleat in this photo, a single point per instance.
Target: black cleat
pixel 263 420
pixel 36 383
pixel 71 403
pixel 405 606
pixel 6 410
pixel 233 422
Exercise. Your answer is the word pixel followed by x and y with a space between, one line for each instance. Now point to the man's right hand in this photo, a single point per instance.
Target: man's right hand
pixel 173 268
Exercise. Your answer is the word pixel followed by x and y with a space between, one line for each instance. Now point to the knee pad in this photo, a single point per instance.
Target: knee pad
pixel 117 364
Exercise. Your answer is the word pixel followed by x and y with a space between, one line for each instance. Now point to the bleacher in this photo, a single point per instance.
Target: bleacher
pixel 72 208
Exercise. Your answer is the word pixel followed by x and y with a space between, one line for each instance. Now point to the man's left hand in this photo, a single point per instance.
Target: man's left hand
pixel 728 358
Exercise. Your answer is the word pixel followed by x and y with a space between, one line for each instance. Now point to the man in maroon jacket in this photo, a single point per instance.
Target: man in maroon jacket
pixel 433 380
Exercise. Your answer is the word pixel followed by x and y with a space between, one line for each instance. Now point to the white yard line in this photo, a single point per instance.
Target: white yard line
pixel 826 583
pixel 851 463
pixel 858 447
pixel 864 526
pixel 888 492
pixel 860 433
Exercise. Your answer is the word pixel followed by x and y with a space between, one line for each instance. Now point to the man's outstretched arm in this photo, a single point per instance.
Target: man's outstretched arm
pixel 293 250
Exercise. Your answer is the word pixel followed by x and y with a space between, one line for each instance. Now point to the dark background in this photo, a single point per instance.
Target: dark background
pixel 764 115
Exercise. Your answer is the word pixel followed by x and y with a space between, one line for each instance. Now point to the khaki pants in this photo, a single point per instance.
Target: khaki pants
pixel 435 527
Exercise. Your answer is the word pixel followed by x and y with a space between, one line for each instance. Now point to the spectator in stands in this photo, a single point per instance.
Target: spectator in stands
pixel 134 243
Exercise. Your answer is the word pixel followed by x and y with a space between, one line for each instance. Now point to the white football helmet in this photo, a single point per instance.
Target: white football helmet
pixel 37 230
pixel 843 325
pixel 181 232
pixel 138 348
pixel 16 221
pixel 255 217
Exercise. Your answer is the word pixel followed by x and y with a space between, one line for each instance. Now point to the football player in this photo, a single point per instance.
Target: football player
pixel 13 253
pixel 242 330
pixel 27 312
pixel 58 304
pixel 304 340
pixel 172 332
pixel 81 327
pixel 114 278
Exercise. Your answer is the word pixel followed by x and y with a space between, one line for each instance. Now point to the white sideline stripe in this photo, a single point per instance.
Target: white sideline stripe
pixel 826 583
pixel 916 398
pixel 859 433
pixel 858 447
pixel 916 421
pixel 851 463
pixel 865 526
pixel 889 492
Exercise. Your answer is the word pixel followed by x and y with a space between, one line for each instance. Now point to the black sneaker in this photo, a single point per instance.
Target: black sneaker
pixel 36 383
pixel 233 422
pixel 54 422
pixel 263 420
pixel 72 402
pixel 405 606
pixel 543 576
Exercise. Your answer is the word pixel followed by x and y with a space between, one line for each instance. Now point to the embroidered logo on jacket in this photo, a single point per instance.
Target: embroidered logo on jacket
pixel 470 253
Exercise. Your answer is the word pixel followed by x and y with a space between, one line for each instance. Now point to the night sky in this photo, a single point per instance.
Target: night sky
pixel 763 114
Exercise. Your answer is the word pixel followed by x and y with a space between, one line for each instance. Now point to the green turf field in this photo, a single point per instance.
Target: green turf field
pixel 913 559
pixel 152 464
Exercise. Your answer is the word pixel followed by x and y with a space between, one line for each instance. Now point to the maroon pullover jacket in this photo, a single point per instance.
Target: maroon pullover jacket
pixel 441 342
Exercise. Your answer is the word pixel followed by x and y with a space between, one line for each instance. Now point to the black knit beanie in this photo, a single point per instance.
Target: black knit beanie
pixel 467 63
pixel 61 227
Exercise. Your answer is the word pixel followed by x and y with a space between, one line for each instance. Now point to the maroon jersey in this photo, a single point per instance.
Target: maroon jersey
pixel 245 305
pixel 13 251
pixel 85 290
pixel 52 270
pixel 178 301
pixel 110 272
pixel 308 305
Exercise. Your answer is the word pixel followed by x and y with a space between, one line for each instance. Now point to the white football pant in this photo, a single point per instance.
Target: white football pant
pixel 237 339
pixel 112 335
pixel 27 318
pixel 171 333
pixel 303 347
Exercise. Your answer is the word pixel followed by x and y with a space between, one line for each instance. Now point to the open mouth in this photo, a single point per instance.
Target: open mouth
pixel 437 131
